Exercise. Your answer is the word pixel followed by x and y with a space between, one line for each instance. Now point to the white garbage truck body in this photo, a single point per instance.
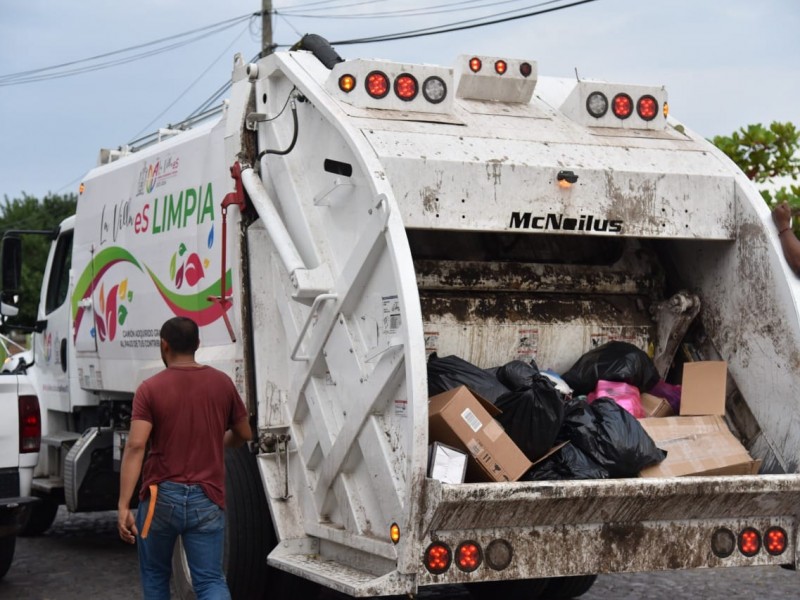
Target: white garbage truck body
pixel 341 221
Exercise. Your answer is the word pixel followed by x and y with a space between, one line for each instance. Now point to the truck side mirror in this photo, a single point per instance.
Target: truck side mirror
pixel 11 276
pixel 11 261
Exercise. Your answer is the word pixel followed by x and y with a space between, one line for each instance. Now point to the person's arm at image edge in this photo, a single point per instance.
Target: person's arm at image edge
pixel 782 216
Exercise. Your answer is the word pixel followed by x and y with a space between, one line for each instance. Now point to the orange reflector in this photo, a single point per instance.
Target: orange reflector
pixel 81 188
pixel 500 67
pixel 437 558
pixel 394 533
pixel 475 64
pixel 347 83
pixel 775 541
pixel 749 542
pixel 468 556
pixel 666 109
pixel 377 84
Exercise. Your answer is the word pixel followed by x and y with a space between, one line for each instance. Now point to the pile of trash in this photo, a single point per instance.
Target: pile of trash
pixel 589 413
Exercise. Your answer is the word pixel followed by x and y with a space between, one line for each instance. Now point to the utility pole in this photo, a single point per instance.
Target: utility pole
pixel 266 27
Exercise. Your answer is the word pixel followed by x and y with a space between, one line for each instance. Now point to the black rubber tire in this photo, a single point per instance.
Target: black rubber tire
pixel 7 545
pixel 43 513
pixel 561 588
pixel 249 537
pixel 519 589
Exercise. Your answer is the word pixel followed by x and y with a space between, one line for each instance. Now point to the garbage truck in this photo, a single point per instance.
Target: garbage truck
pixel 340 220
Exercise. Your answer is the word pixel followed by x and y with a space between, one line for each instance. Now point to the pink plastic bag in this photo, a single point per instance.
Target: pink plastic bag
pixel 624 394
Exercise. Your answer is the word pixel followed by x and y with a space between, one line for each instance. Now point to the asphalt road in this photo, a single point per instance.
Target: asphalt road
pixel 82 558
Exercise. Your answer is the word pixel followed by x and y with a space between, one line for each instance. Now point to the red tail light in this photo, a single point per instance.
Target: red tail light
pixel 468 556
pixel 622 106
pixel 525 69
pixel 377 84
pixel 406 87
pixel 475 64
pixel 647 108
pixel 30 424
pixel 500 67
pixel 749 542
pixel 438 558
pixel 775 541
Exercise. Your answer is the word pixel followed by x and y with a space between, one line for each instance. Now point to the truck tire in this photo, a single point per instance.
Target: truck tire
pixel 520 589
pixel 561 588
pixel 7 545
pixel 43 513
pixel 249 537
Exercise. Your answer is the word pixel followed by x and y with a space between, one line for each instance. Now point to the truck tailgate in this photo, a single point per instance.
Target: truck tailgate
pixel 598 526
pixel 9 422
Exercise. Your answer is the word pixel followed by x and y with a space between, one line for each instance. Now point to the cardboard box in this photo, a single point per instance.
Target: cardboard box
pixel 699 442
pixel 655 407
pixel 446 464
pixel 700 445
pixel 464 420
pixel 703 388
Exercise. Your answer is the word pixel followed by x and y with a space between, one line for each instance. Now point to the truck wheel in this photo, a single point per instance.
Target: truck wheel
pixel 43 514
pixel 519 589
pixel 7 545
pixel 249 537
pixel 561 588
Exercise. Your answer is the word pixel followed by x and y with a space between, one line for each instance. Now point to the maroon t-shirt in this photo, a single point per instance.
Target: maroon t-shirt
pixel 190 409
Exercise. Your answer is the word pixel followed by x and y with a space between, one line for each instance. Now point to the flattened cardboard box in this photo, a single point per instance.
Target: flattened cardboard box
pixel 465 421
pixel 700 445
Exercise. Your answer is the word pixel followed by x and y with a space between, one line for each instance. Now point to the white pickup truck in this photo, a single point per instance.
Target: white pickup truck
pixel 20 437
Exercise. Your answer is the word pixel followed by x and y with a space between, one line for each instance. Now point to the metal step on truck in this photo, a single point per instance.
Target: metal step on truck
pixel 340 220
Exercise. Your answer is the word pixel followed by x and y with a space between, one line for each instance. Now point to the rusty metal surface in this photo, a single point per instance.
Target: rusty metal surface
pixel 613 500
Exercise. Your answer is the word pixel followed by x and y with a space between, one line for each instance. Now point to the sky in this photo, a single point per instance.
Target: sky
pixel 725 63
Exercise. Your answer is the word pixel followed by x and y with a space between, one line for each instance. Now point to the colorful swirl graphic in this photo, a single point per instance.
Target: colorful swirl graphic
pixel 196 306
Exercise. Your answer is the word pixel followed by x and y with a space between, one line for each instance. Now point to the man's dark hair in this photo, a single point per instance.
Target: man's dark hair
pixel 182 334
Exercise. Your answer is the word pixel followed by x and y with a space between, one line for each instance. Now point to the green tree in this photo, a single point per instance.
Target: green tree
pixel 30 213
pixel 764 154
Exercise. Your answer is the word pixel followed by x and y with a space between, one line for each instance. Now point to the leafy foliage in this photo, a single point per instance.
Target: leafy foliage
pixel 764 154
pixel 32 214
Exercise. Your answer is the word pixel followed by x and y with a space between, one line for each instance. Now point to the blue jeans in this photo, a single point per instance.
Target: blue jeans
pixel 182 510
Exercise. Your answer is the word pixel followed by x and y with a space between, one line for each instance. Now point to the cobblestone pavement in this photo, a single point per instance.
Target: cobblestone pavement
pixel 81 558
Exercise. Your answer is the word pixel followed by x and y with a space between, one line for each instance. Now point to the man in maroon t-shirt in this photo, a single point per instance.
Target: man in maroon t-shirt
pixel 189 413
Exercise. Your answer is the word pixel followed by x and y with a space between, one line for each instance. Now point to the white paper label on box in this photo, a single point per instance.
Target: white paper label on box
pixel 471 420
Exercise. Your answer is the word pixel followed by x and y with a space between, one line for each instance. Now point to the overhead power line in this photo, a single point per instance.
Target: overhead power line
pixel 458 26
pixel 90 64
pixel 436 9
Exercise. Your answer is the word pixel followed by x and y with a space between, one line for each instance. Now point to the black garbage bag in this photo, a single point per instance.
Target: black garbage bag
pixel 532 416
pixel 610 435
pixel 613 361
pixel 451 372
pixel 569 462
pixel 517 375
